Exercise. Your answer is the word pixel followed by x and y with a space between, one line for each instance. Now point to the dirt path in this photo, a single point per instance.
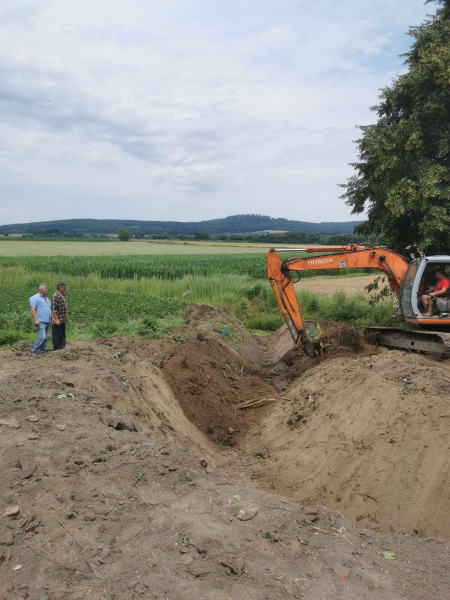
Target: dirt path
pixel 330 285
pixel 131 461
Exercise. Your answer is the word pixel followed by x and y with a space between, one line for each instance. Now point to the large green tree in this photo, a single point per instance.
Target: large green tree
pixel 403 174
pixel 123 234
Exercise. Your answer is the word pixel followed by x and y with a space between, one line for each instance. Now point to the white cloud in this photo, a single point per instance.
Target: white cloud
pixel 189 110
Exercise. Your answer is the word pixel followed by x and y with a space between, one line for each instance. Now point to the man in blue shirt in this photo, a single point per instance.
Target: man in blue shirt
pixel 41 311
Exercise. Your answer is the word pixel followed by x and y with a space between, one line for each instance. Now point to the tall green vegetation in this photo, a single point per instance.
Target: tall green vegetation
pixel 102 306
pixel 165 267
pixel 403 175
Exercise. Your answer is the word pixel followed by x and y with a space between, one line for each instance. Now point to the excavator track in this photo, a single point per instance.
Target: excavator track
pixel 428 342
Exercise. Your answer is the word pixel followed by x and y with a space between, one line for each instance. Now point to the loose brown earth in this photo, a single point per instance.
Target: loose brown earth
pixel 130 461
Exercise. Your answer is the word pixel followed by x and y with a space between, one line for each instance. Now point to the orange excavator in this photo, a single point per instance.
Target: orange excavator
pixel 408 281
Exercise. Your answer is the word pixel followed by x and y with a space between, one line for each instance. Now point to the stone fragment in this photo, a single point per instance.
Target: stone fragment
pixel 341 571
pixel 239 566
pixel 27 465
pixel 7 538
pixel 247 514
pixel 11 511
pixel 90 516
pixel 311 511
pixel 236 566
pixel 200 571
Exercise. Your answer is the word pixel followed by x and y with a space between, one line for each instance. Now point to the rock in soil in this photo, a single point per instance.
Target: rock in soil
pixel 11 511
pixel 246 514
pixel 28 465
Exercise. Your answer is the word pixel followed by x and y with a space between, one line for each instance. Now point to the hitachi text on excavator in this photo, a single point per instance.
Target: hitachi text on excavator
pixel 408 281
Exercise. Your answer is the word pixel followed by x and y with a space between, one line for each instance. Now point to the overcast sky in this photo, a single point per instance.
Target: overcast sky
pixel 189 109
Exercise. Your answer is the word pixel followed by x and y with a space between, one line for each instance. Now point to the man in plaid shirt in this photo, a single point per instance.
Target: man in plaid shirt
pixel 59 316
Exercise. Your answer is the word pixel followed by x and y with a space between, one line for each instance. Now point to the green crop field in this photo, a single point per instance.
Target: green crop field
pixel 144 295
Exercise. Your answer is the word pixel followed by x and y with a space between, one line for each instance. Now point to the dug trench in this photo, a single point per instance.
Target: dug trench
pixel 133 466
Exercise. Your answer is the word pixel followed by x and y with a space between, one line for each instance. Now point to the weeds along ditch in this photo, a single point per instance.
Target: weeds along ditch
pixel 144 296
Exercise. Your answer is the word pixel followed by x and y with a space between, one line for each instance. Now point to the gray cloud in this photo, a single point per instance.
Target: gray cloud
pixel 188 110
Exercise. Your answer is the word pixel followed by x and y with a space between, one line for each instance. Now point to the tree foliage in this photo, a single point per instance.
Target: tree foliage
pixel 202 235
pixel 403 175
pixel 123 234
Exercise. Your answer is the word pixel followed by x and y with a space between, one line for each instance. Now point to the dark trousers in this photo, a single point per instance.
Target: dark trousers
pixel 59 336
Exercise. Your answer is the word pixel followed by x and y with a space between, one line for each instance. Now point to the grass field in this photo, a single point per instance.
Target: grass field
pixel 57 248
pixel 17 247
pixel 144 296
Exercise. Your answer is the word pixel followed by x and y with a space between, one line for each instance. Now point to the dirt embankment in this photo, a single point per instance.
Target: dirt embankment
pixel 111 450
pixel 368 436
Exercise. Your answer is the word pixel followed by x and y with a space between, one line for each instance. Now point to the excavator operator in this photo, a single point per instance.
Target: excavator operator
pixel 440 290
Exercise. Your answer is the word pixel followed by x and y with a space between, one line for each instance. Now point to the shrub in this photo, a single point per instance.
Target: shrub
pixel 148 325
pixel 312 304
pixel 7 337
pixel 104 330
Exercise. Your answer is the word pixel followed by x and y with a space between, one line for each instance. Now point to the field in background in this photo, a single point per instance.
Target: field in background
pixel 18 247
pixel 57 248
pixel 352 286
pixel 165 267
pixel 144 296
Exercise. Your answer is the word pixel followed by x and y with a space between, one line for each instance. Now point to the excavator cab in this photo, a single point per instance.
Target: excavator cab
pixel 419 277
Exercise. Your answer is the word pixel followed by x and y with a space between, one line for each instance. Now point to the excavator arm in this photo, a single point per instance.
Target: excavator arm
pixel 341 257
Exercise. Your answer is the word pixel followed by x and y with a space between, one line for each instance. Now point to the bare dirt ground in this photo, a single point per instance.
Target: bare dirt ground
pixel 138 471
pixel 352 286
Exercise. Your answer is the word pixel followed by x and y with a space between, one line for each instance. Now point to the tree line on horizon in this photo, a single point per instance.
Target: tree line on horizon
pixel 236 224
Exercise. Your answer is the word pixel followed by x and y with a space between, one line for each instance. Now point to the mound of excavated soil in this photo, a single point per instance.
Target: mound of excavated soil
pixel 337 337
pixel 204 317
pixel 113 504
pixel 368 436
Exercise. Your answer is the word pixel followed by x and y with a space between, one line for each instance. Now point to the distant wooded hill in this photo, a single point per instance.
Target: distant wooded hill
pixel 233 224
